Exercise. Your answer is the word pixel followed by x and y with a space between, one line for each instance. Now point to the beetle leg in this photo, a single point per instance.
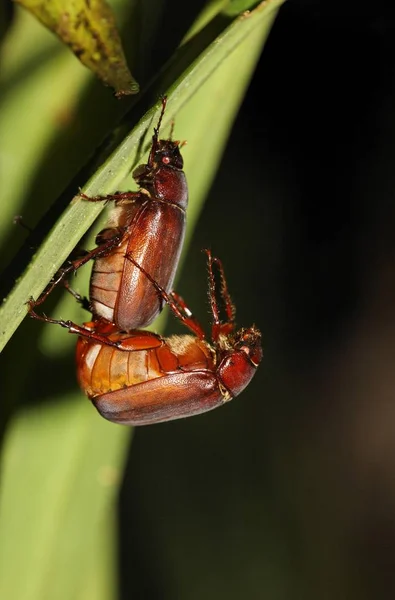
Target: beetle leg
pixel 74 265
pixel 219 328
pixel 185 314
pixel 83 300
pixel 229 306
pixel 78 329
pixel 175 302
pixel 110 197
pixel 18 220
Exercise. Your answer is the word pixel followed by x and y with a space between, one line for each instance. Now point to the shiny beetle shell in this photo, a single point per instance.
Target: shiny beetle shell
pixel 154 379
pixel 152 222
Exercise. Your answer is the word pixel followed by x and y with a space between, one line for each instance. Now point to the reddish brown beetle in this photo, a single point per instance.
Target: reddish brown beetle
pixel 148 225
pixel 149 379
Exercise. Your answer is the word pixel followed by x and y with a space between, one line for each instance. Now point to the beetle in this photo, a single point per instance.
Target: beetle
pixel 146 378
pixel 148 225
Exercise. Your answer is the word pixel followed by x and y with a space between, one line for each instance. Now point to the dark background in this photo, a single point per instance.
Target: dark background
pixel 289 491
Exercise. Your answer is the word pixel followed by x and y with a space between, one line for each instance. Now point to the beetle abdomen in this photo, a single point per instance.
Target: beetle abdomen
pixel 120 292
pixel 102 369
pixel 106 281
pixel 172 396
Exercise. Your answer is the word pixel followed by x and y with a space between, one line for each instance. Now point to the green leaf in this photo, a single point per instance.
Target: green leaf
pixel 90 31
pixel 59 482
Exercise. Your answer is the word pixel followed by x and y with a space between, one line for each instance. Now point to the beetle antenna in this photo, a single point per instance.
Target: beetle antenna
pixel 172 124
pixel 162 112
pixel 155 137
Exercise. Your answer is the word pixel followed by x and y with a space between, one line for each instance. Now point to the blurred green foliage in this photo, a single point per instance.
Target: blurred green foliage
pixel 90 30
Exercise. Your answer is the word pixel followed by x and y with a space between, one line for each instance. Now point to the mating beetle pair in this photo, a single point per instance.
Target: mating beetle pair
pixel 137 377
